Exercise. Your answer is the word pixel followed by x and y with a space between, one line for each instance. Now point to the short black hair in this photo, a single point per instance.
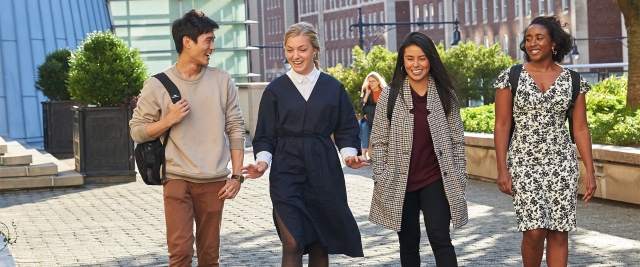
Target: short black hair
pixel 563 40
pixel 193 24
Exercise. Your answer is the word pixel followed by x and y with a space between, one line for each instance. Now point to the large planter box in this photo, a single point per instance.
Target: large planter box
pixel 57 121
pixel 617 169
pixel 102 147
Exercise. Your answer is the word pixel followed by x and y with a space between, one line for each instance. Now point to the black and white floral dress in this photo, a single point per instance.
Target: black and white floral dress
pixel 541 159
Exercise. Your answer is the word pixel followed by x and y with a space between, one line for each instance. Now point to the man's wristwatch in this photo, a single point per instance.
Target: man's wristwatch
pixel 240 177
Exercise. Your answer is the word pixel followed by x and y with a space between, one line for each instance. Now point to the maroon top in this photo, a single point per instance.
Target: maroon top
pixel 423 168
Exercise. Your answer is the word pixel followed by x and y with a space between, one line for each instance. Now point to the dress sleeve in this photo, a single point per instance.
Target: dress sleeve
pixel 584 85
pixel 347 132
pixel 266 137
pixel 503 80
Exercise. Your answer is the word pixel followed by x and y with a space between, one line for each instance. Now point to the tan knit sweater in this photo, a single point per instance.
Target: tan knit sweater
pixel 198 147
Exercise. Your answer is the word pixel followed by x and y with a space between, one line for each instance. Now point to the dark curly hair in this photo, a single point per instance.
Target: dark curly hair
pixel 563 40
pixel 193 24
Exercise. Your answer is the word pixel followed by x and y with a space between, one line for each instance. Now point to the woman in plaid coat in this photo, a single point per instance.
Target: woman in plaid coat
pixel 418 154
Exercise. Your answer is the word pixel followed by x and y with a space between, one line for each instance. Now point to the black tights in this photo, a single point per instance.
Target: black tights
pixel 433 202
pixel 292 257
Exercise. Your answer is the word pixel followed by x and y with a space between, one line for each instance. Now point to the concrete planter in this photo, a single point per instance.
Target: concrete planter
pixel 250 96
pixel 617 168
pixel 57 119
pixel 103 149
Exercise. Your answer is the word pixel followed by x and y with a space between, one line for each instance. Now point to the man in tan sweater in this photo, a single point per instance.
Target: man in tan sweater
pixel 207 130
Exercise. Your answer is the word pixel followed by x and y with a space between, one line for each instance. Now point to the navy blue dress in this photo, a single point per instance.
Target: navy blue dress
pixel 306 181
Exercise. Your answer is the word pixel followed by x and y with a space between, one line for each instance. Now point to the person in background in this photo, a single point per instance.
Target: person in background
pixel 299 112
pixel 371 89
pixel 419 155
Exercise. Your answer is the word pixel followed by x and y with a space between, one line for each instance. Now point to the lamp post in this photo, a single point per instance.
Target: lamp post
pixel 361 25
pixel 575 54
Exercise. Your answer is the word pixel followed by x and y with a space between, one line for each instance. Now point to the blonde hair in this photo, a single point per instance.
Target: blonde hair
pixel 306 29
pixel 375 75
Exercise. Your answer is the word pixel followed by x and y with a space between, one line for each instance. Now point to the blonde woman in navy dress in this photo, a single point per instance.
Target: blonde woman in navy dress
pixel 299 112
pixel 540 169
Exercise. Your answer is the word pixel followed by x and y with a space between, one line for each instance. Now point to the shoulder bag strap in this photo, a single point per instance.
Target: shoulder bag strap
pixel 514 78
pixel 575 91
pixel 174 93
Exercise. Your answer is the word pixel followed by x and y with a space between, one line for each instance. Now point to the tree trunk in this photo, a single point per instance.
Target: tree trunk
pixel 631 12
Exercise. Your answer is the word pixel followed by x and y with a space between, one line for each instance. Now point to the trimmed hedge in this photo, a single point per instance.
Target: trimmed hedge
pixel 610 121
pixel 53 75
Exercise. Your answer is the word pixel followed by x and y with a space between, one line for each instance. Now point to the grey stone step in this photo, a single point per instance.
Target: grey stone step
pixel 3 149
pixel 29 170
pixel 15 160
pixel 62 179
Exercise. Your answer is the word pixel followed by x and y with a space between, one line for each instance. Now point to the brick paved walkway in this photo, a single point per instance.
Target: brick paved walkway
pixel 123 225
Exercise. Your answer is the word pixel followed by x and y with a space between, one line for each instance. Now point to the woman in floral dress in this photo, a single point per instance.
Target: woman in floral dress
pixel 540 169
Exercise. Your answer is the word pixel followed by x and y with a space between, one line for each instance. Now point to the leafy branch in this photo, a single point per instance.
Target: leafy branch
pixel 6 236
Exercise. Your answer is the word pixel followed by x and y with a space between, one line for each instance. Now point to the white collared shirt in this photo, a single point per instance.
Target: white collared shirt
pixel 305 84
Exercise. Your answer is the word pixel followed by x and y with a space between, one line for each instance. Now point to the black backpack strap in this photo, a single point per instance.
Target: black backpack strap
pixel 393 95
pixel 514 78
pixel 175 95
pixel 575 91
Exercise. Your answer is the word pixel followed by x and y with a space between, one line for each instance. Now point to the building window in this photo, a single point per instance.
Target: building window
pixel 475 40
pixel 496 40
pixel 440 14
pixel 325 30
pixel 505 44
pixel 466 11
pixel 468 40
pixel 341 28
pixel 527 8
pixel 565 5
pixel 416 17
pixel 474 11
pixel 486 41
pixel 372 29
pixel 517 5
pixel 431 15
pixel 550 6
pixel 425 11
pixel 518 53
pixel 455 10
pixel 484 10
pixel 504 9
pixel 541 6
pixel 381 16
pixel 496 9
pixel 375 28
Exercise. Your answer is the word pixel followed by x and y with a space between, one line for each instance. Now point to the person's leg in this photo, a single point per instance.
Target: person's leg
pixel 437 217
pixel 318 256
pixel 178 213
pixel 409 235
pixel 365 133
pixel 533 246
pixel 557 248
pixel 208 216
pixel 291 256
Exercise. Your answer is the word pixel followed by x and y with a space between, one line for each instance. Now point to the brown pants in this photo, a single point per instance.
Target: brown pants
pixel 185 202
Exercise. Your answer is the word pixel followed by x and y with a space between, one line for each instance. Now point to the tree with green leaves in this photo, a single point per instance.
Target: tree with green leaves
pixel 53 75
pixel 475 68
pixel 631 11
pixel 379 59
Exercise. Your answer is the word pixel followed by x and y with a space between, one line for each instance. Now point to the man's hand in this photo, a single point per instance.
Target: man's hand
pixel 177 111
pixel 252 171
pixel 230 189
pixel 356 162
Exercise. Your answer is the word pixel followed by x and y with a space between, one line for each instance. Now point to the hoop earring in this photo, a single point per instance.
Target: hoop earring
pixel 553 50
pixel 315 56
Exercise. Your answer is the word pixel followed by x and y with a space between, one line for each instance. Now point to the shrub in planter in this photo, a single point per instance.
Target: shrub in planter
pixel 57 115
pixel 106 73
pixel 53 75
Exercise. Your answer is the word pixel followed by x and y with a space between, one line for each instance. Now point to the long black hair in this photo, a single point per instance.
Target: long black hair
pixel 445 83
pixel 563 40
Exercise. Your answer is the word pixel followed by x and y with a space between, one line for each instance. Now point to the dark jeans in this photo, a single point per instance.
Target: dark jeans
pixel 433 202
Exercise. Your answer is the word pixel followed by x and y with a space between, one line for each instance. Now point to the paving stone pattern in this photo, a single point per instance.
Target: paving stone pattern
pixel 123 225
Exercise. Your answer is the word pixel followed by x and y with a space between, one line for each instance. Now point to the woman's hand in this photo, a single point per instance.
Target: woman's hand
pixel 590 182
pixel 504 182
pixel 355 162
pixel 252 171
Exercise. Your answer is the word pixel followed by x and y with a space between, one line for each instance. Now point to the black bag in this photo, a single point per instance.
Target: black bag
pixel 514 77
pixel 150 155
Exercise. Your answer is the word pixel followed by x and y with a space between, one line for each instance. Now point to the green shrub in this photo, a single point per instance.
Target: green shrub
pixel 53 75
pixel 106 72
pixel 610 121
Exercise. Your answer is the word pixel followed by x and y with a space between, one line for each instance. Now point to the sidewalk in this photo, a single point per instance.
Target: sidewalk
pixel 123 225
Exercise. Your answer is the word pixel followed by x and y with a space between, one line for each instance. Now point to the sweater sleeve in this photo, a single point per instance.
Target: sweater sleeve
pixel 148 110
pixel 234 126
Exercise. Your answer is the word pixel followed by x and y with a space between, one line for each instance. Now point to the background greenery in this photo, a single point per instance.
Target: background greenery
pixel 106 72
pixel 610 121
pixel 53 75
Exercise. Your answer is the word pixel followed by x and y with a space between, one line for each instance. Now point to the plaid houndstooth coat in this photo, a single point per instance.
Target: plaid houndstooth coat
pixel 392 142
